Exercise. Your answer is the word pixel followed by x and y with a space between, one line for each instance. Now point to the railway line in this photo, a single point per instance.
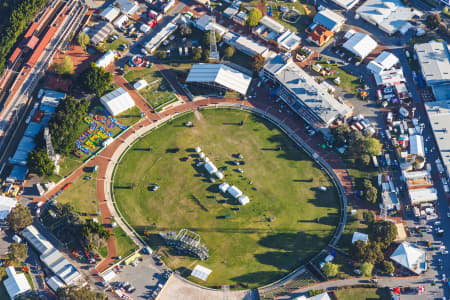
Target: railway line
pixel 18 101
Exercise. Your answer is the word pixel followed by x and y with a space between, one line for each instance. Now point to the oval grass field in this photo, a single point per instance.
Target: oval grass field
pixel 287 221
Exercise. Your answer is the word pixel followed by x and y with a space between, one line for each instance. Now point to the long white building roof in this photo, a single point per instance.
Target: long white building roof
pixel 117 101
pixel 16 284
pixel 110 13
pixel 439 116
pixel 161 36
pixel 418 196
pixel 434 60
pixel 36 239
pixel 272 24
pixel 360 44
pixel 106 59
pixel 220 74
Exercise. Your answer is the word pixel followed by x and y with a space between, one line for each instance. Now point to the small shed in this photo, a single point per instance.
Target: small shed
pixel 197 149
pixel 358 236
pixel 140 84
pixel 234 192
pixel 243 199
pixel 201 155
pixel 223 187
pixel 219 175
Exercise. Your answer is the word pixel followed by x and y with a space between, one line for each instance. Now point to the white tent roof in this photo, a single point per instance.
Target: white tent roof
pixel 117 101
pixel 223 187
pixel 55 283
pixel 384 61
pixel 16 284
pixel 110 13
pixel 418 196
pixel 106 59
pixel 243 199
pixel 234 191
pixel 360 44
pixel 416 145
pixel 36 239
pixel 201 272
pixel 220 74
pixel 410 257
pixel 210 167
pixel 128 7
pixel 139 85
pixel 108 276
pixel 358 236
pixel 6 204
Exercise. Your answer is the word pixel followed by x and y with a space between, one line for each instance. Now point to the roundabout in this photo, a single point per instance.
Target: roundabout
pixel 292 214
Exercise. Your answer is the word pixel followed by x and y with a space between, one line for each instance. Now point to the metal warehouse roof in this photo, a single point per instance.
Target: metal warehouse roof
pixel 110 13
pixel 36 239
pixel 434 59
pixel 360 44
pixel 220 74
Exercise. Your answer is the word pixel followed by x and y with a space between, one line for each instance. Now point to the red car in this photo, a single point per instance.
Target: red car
pixel 66 186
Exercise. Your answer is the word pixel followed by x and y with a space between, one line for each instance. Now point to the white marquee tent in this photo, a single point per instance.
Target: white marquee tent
pixel 243 199
pixel 117 101
pixel 201 272
pixel 410 257
pixel 234 192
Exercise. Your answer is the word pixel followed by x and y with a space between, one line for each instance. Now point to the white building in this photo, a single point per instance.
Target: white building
pixel 16 284
pixel 221 76
pixel 359 236
pixel 434 60
pixel 223 187
pixel 391 16
pixel 204 24
pixel 303 94
pixel 55 283
pixel 234 192
pixel 418 196
pixel 120 21
pixel 106 59
pixel 346 4
pixel 6 204
pixel 384 61
pixel 110 13
pixel 117 101
pixel 410 257
pixel 360 44
pixel 439 115
pixel 272 31
pixel 246 45
pixel 243 200
pixel 210 168
pixel 329 19
pixel 161 36
pixel 416 145
pixel 128 7
pixel 60 266
pixel 140 84
pixel 384 69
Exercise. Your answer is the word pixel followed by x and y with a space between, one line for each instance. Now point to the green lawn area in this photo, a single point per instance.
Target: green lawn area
pixel 286 223
pixel 158 93
pixel 129 117
pixel 362 293
pixel 82 195
pixel 115 44
pixel 354 223
pixel 124 244
pixel 103 251
pixel 349 82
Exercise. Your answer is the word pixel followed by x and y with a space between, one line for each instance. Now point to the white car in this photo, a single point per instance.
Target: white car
pixel 445 252
pixel 143 51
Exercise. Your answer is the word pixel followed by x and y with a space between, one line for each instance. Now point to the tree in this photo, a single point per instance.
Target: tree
pixel 366 269
pixel 433 20
pixel 207 35
pixel 330 270
pixel 371 194
pixel 64 67
pixel 369 217
pixel 196 53
pixel 229 51
pixel 78 293
pixel 388 267
pixel 206 55
pixel 39 163
pixel 83 40
pixel 364 160
pixel 185 30
pixel 242 7
pixel 358 251
pixel 355 141
pixel 257 62
pixel 161 54
pixel 254 16
pixel 384 231
pixel 66 123
pixel 372 146
pixel 442 29
pixel 19 217
pixel 341 134
pixel 94 235
pixel 95 79
pixel 17 253
pixel 374 254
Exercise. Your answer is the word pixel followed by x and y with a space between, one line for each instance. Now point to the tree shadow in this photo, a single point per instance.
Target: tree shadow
pixel 259 277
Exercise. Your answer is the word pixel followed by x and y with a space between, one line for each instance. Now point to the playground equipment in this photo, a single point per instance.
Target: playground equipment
pixel 187 242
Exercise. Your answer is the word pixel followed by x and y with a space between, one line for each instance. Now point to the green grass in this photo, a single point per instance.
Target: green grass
pixel 103 251
pixel 124 244
pixel 349 82
pixel 362 293
pixel 159 92
pixel 128 117
pixel 246 248
pixel 30 281
pixel 304 20
pixel 82 195
pixel 354 223
pixel 116 44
